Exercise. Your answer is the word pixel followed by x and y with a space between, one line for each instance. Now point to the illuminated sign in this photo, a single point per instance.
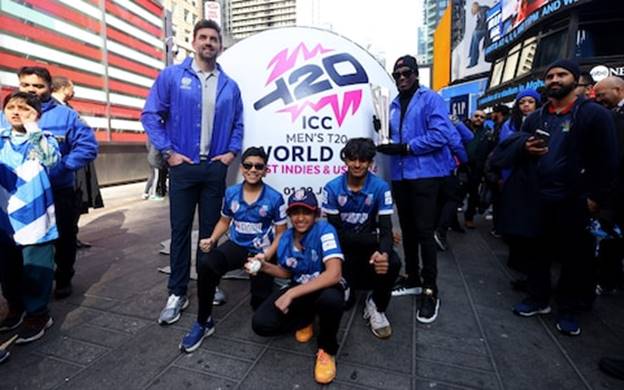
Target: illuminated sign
pixel 517 16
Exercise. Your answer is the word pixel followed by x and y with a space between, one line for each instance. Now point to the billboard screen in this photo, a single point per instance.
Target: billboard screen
pixel 517 16
pixel 470 37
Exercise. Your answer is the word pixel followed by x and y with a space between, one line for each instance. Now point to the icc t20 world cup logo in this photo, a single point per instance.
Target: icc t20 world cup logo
pixel 304 80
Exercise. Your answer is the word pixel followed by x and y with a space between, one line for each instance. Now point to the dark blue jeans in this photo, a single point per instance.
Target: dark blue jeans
pixel 477 37
pixel 192 185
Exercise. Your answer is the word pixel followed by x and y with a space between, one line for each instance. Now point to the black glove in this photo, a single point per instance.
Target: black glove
pixel 376 123
pixel 393 149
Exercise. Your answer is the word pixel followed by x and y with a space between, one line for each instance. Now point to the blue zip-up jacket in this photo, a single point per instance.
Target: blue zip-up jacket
pixel 456 144
pixel 172 113
pixel 427 129
pixel 76 141
pixel 464 132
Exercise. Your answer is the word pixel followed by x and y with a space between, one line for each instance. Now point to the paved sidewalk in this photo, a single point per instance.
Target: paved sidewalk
pixel 106 336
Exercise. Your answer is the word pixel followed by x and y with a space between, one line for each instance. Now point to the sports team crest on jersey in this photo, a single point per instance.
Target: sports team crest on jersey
pixel 369 200
pixel 234 206
pixel 314 256
pixel 291 262
pixel 342 200
pixel 264 209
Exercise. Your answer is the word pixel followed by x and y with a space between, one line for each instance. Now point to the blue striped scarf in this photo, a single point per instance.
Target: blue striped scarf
pixel 26 201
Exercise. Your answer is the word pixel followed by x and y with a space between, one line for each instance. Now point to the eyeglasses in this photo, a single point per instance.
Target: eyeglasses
pixel 404 73
pixel 258 166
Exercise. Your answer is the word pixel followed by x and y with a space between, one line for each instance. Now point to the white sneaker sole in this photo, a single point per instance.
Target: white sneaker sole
pixel 366 317
pixel 545 310
pixel 36 337
pixel 429 320
pixel 197 344
pixel 578 332
pixel 8 328
pixel 176 318
pixel 407 291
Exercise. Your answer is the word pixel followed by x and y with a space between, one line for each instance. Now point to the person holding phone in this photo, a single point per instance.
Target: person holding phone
pixel 309 254
pixel 27 218
pixel 254 215
pixel 561 179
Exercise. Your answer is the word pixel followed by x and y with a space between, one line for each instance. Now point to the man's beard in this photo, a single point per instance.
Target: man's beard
pixel 563 91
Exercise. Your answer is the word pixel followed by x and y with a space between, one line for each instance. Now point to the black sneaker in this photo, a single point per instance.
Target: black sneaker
pixel 4 355
pixel 63 291
pixel 440 240
pixel 429 306
pixel 12 321
pixel 405 286
pixel 33 328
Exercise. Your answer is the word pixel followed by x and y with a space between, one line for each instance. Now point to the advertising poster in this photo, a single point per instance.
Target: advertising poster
pixel 515 12
pixel 467 53
pixel 305 93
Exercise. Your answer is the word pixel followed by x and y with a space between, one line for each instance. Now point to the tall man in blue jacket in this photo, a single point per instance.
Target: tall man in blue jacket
pixel 421 158
pixel 78 148
pixel 194 117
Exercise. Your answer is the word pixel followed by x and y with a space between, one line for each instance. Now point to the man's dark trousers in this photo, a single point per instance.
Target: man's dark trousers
pixel 360 274
pixel 67 209
pixel 192 185
pixel 417 204
pixel 567 241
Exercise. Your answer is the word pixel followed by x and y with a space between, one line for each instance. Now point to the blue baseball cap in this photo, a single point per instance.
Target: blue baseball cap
pixel 302 198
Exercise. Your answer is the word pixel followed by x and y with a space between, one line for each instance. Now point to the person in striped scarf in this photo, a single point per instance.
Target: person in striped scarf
pixel 27 220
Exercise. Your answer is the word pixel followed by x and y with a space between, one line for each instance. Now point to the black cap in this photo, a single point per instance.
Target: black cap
pixel 568 65
pixel 408 61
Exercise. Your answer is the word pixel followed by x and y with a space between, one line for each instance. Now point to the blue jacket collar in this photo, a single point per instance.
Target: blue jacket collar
pixel 48 105
pixel 223 78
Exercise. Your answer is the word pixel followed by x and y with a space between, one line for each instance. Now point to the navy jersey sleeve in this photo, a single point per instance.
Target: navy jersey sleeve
pixel 330 203
pixel 226 208
pixel 384 199
pixel 330 245
pixel 279 211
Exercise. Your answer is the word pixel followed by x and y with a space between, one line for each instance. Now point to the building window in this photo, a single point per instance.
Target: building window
pixel 550 49
pixel 497 72
pixel 599 39
pixel 511 63
pixel 527 56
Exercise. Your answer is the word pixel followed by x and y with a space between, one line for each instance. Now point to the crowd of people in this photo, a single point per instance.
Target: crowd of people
pixel 549 172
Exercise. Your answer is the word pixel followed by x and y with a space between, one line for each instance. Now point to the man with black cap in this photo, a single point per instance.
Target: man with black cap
pixel 420 159
pixel 567 152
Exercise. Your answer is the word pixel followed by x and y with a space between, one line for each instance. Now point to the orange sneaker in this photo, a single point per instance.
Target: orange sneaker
pixel 304 335
pixel 325 367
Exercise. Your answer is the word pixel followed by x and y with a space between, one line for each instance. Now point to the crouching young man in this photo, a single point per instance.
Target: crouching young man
pixel 255 215
pixel 309 255
pixel 359 205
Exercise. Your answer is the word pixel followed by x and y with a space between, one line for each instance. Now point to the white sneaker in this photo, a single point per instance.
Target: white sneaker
pixel 379 324
pixel 173 309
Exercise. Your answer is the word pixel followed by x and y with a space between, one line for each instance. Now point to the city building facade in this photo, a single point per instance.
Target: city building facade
pixel 523 44
pixel 247 17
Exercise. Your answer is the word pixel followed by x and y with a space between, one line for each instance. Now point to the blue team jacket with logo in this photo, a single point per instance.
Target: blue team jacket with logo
pixel 172 113
pixel 427 130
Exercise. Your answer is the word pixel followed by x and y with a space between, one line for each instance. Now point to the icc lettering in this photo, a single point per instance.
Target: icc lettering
pixel 315 122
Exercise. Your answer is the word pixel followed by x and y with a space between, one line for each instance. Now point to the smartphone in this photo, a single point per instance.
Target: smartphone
pixel 543 135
